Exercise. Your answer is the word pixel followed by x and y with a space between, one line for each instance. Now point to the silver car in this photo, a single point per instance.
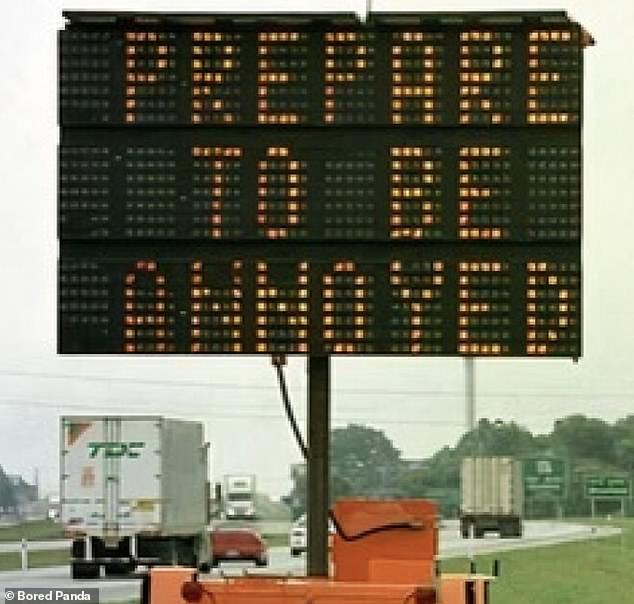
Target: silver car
pixel 298 538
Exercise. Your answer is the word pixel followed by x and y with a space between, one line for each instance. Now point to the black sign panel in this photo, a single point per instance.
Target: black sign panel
pixel 329 70
pixel 316 185
pixel 366 185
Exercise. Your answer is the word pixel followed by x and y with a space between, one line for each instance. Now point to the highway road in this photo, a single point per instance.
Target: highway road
pixel 451 545
pixel 116 590
pixel 110 590
pixel 264 527
pixel 536 533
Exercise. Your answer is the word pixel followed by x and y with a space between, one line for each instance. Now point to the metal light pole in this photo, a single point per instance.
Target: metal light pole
pixel 470 408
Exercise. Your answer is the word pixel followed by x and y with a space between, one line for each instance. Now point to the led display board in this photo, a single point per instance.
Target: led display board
pixel 314 184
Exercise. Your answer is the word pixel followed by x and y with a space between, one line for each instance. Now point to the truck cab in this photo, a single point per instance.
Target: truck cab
pixel 239 500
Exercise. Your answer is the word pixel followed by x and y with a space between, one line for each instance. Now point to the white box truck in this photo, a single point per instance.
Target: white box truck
pixel 492 496
pixel 239 497
pixel 134 491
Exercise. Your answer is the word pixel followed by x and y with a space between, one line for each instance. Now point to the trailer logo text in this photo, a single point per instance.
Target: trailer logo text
pixel 115 449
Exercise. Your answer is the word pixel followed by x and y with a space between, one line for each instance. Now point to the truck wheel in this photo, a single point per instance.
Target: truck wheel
pixel 84 570
pixel 295 553
pixel 261 562
pixel 77 548
pixel 510 529
pixel 518 529
pixel 478 533
pixel 214 562
pixel 117 569
pixel 187 553
pixel 503 529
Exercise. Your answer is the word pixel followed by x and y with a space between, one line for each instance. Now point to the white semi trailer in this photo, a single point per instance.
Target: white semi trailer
pixel 134 491
pixel 492 496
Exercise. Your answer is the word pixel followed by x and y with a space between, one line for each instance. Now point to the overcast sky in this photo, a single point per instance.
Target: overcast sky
pixel 418 402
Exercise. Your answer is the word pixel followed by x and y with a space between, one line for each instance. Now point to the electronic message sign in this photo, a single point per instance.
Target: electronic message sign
pixel 314 184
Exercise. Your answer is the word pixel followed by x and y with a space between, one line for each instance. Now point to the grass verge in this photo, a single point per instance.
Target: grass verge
pixel 585 572
pixel 38 530
pixel 37 559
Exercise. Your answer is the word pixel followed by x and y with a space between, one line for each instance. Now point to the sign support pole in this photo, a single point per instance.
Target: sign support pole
pixel 318 464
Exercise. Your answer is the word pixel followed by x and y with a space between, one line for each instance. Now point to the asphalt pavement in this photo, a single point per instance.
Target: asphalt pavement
pixel 110 590
pixel 120 589
pixel 536 533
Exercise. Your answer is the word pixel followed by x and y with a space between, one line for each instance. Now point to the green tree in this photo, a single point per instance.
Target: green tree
pixel 582 437
pixel 444 469
pixel 296 499
pixel 7 494
pixel 624 443
pixel 363 463
pixel 497 438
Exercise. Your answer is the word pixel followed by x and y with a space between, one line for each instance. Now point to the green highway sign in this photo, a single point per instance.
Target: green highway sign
pixel 544 476
pixel 608 487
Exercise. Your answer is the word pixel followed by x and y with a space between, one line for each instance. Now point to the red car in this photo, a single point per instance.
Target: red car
pixel 237 544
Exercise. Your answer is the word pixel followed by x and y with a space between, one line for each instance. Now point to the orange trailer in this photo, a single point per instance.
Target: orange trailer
pixel 384 553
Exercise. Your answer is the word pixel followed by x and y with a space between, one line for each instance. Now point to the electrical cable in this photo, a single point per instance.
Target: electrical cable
pixel 113 380
pixel 292 420
pixel 278 363
pixel 250 411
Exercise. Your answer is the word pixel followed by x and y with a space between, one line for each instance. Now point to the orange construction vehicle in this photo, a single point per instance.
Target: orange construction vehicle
pixel 384 552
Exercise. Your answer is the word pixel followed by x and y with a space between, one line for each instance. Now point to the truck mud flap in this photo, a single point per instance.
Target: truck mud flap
pixel 470 592
pixel 146 590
